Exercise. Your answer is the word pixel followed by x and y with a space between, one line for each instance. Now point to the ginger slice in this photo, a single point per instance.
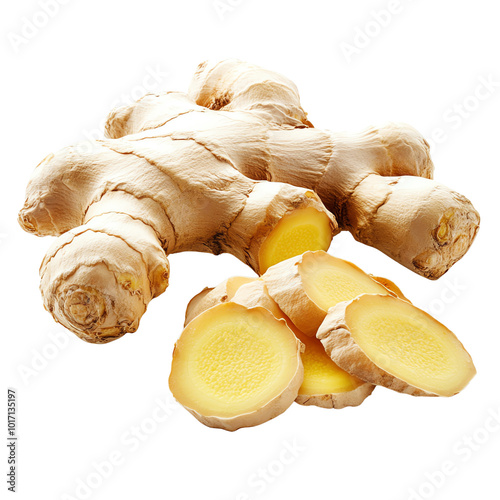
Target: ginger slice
pixel 325 383
pixel 305 287
pixel 299 231
pixel 388 341
pixel 235 366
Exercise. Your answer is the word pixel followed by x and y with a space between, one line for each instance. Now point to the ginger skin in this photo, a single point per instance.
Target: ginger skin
pixel 181 172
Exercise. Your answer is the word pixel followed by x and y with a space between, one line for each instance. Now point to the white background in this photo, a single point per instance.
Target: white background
pixel 82 405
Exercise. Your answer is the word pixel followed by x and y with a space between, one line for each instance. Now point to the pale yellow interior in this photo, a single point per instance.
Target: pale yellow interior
pixel 328 280
pixel 321 375
pixel 302 230
pixel 231 360
pixel 409 344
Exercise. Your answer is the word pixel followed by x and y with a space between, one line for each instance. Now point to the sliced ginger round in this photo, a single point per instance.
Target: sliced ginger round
pixel 329 280
pixel 302 230
pixel 325 383
pixel 235 366
pixel 388 341
pixel 305 287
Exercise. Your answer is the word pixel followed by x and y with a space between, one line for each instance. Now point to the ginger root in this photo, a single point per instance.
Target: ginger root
pixel 122 208
pixel 182 172
pixel 377 183
pixel 391 286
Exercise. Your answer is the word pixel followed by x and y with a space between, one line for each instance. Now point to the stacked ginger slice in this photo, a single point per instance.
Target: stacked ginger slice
pixel 313 329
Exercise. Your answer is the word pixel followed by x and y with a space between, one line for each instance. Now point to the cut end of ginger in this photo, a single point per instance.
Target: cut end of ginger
pixel 298 232
pixel 235 366
pixel 390 342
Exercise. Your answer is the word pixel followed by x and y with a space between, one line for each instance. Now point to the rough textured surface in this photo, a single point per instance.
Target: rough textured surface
pixel 337 400
pixel 121 206
pixel 189 172
pixel 377 183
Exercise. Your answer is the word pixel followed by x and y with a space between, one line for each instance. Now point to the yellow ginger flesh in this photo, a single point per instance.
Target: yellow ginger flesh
pixel 409 344
pixel 321 374
pixel 329 280
pixel 302 230
pixel 232 360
